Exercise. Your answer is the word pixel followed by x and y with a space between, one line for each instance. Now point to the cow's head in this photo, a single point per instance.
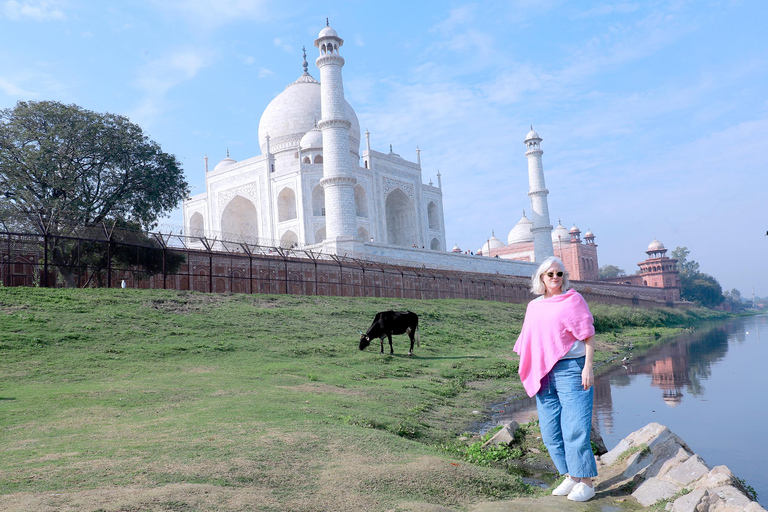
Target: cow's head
pixel 364 341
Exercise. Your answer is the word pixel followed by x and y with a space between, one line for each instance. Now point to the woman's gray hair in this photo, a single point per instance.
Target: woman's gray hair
pixel 537 285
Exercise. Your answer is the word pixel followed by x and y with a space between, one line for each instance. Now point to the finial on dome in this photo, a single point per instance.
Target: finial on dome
pixel 305 63
pixel 523 213
pixel 227 152
pixel 390 148
pixel 327 23
pixel 531 127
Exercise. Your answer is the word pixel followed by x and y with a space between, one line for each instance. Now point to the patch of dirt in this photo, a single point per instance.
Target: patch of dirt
pixel 186 302
pixel 323 388
pixel 12 309
pixel 168 498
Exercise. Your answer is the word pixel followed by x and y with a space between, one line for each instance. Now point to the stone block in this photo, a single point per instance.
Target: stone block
pixel 504 436
pixel 689 471
pixel 730 499
pixel 653 490
pixel 689 502
pixel 613 455
pixel 637 463
pixel 719 476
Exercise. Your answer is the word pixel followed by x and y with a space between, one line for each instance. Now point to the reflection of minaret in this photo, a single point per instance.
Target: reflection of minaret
pixel 338 181
pixel 537 191
pixel 603 400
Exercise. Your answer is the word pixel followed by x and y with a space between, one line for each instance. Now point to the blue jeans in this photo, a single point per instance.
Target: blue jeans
pixel 565 419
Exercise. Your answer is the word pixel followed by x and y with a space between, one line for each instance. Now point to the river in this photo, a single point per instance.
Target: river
pixel 709 386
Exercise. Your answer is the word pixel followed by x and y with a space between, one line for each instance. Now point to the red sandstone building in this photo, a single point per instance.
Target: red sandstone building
pixel 579 256
pixel 658 271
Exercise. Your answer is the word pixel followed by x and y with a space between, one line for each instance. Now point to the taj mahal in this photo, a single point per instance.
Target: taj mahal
pixel 312 188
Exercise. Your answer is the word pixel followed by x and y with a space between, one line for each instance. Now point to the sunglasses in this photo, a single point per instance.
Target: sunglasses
pixel 553 274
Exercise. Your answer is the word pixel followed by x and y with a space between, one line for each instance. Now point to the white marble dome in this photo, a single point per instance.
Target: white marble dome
pixel 327 32
pixel 656 246
pixel 294 112
pixel 224 163
pixel 492 244
pixel 532 135
pixel 521 232
pixel 312 139
pixel 561 234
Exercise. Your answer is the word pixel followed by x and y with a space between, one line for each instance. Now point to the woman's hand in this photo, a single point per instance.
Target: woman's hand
pixel 587 377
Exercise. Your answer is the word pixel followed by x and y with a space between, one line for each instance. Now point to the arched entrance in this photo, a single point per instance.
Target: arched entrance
pixel 240 220
pixel 401 225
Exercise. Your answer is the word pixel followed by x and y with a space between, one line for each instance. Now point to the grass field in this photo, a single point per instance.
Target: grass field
pixel 129 400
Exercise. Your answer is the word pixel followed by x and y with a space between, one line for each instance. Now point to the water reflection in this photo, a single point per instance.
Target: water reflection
pixel 675 368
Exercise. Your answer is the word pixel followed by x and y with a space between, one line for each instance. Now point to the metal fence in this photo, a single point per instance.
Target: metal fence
pixel 108 256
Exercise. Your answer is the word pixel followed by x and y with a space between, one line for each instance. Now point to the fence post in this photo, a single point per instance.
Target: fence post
pixel 45 260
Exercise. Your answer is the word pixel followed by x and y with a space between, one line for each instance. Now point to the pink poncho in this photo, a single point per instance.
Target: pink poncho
pixel 550 328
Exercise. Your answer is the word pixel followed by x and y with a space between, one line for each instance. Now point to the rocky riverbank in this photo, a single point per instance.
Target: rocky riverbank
pixel 650 469
pixel 656 465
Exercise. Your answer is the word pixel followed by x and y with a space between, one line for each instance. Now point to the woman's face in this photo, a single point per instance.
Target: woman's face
pixel 552 282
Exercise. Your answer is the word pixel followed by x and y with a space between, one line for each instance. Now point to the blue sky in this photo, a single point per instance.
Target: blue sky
pixel 654 114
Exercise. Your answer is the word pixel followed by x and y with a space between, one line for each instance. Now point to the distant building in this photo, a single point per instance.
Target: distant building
pixel 658 271
pixel 579 256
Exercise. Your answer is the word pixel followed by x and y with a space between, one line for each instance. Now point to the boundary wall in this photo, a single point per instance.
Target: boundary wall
pixel 216 266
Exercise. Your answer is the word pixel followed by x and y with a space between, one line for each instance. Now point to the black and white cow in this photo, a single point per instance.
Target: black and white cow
pixel 387 323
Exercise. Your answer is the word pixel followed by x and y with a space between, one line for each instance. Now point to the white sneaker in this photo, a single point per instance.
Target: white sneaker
pixel 581 492
pixel 565 487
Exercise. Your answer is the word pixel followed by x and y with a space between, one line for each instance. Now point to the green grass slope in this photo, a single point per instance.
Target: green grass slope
pixel 162 400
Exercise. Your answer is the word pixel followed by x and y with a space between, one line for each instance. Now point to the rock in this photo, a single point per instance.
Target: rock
pixel 688 472
pixel 730 499
pixel 719 476
pixel 691 502
pixel 598 440
pixel 661 465
pixel 504 436
pixel 653 490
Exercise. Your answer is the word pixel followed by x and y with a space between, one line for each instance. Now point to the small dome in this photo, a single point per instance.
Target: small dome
pixel 312 139
pixel 456 248
pixel 532 135
pixel 224 163
pixel 656 246
pixel 492 244
pixel 327 32
pixel 589 234
pixel 521 232
pixel 574 229
pixel 561 234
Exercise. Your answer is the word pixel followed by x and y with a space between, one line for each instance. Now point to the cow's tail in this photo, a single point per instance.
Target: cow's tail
pixel 418 342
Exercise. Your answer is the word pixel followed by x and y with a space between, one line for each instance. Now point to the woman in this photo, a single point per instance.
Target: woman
pixel 556 348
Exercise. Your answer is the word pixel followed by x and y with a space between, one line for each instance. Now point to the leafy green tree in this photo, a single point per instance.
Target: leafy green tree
pixel 63 168
pixel 685 265
pixel 696 286
pixel 610 271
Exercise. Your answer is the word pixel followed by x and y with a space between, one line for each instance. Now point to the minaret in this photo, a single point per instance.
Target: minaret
pixel 537 191
pixel 338 180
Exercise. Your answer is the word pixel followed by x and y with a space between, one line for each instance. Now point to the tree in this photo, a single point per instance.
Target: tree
pixel 684 265
pixel 64 166
pixel 696 286
pixel 62 158
pixel 610 271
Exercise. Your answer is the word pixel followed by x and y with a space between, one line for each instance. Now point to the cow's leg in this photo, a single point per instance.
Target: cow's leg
pixel 381 339
pixel 391 350
pixel 410 334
